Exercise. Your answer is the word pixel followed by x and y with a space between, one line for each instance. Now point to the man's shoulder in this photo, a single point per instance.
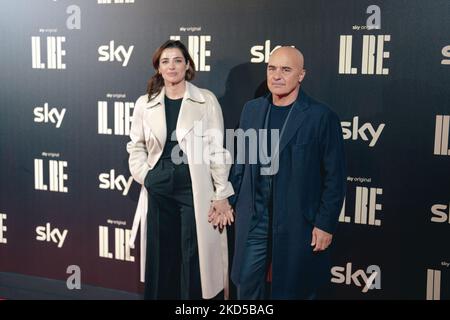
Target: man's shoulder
pixel 254 103
pixel 319 108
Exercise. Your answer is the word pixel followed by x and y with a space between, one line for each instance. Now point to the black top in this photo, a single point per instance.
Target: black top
pixel 264 183
pixel 276 121
pixel 172 108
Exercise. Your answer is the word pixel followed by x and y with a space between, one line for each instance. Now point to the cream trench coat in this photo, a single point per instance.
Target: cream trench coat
pixel 209 177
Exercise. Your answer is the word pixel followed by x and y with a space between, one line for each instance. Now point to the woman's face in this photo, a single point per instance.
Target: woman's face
pixel 172 66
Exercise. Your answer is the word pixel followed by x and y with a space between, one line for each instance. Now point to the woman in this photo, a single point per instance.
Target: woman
pixel 185 257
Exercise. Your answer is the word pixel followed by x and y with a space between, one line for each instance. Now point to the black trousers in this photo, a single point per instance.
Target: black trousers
pixel 172 265
pixel 253 283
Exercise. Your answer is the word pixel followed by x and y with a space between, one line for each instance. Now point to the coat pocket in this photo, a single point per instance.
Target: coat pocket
pixel 159 180
pixel 302 144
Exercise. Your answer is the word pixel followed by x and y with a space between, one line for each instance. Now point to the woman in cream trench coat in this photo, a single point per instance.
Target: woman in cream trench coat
pixel 200 112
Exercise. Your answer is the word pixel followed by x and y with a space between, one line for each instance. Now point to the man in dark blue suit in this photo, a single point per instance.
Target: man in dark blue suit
pixel 287 212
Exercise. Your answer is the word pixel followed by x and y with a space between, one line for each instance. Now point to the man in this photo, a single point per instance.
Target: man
pixel 285 219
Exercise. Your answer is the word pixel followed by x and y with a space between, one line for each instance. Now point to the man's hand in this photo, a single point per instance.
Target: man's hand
pixel 320 239
pixel 221 213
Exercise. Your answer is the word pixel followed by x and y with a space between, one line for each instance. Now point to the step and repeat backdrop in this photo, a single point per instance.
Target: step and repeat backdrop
pixel 72 70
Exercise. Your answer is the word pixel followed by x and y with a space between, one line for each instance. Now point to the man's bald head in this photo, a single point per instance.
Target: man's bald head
pixel 293 54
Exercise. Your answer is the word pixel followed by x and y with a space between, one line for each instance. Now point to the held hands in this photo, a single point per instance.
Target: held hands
pixel 320 239
pixel 221 213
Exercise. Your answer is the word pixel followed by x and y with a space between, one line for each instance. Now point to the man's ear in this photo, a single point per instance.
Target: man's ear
pixel 302 76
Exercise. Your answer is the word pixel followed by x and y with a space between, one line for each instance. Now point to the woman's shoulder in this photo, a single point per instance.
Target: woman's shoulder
pixel 142 99
pixel 141 102
pixel 198 93
pixel 208 94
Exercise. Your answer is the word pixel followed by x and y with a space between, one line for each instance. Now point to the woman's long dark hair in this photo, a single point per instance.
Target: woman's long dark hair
pixel 156 82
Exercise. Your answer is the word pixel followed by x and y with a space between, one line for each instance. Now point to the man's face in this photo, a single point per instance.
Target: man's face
pixel 284 72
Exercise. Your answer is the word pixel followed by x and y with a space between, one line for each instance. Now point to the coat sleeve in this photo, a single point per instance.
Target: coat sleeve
pixel 220 158
pixel 136 148
pixel 333 172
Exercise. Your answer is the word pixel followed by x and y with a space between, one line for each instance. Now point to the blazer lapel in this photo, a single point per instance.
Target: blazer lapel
pixel 156 117
pixel 258 123
pixel 258 119
pixel 295 120
pixel 193 109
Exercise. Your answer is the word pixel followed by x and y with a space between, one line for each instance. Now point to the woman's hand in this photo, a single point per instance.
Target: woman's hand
pixel 221 213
